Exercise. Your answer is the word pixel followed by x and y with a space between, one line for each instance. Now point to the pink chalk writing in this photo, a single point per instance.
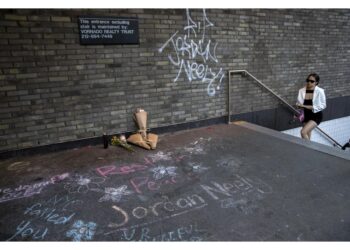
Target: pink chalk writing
pixel 122 170
pixel 105 171
pixel 141 183
pixel 8 194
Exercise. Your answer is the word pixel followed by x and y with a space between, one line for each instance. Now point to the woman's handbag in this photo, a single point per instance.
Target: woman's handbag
pixel 300 115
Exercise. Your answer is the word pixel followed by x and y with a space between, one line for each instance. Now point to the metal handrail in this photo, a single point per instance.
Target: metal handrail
pixel 245 73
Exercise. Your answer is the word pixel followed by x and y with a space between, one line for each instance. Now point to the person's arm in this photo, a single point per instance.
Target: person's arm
pixel 300 99
pixel 320 102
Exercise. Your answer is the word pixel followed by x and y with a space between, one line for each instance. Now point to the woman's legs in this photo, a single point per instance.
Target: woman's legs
pixel 309 134
pixel 307 129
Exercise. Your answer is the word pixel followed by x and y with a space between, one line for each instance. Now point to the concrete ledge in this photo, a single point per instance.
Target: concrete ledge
pixel 93 141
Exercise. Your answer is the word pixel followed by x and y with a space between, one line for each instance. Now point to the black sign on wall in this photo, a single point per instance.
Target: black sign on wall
pixel 108 30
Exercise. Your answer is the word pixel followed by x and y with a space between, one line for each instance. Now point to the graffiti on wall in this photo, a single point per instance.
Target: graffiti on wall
pixel 194 54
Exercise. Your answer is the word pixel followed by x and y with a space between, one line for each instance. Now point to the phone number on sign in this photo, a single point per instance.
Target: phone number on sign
pixel 96 36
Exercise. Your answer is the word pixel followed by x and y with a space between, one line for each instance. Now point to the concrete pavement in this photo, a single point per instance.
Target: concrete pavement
pixel 218 183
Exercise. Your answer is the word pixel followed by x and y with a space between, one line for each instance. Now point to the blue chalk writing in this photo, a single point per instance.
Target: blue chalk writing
pixel 81 231
pixel 47 214
pixel 26 230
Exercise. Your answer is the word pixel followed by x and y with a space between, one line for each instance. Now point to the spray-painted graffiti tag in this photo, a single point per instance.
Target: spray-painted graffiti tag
pixel 194 54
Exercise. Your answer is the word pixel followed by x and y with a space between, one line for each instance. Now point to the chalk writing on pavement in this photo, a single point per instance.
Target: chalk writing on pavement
pixel 161 172
pixel 122 170
pixel 7 194
pixel 26 230
pixel 56 211
pixel 189 232
pixel 18 166
pixel 115 194
pixel 82 231
pixel 158 211
pixel 240 185
pixel 83 183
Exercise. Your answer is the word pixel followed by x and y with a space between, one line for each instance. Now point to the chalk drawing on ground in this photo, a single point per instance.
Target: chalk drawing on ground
pixel 54 211
pixel 231 163
pixel 187 232
pixel 239 185
pixel 198 168
pixel 82 231
pixel 83 183
pixel 7 194
pixel 48 214
pixel 26 231
pixel 22 167
pixel 115 194
pixel 107 170
pixel 197 147
pixel 18 166
pixel 161 156
pixel 242 205
pixel 156 212
pixel 63 203
pixel 261 186
pixel 146 183
pixel 161 172
pixel 193 54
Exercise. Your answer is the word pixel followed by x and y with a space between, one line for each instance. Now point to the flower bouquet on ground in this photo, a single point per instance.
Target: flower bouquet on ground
pixel 121 141
pixel 141 138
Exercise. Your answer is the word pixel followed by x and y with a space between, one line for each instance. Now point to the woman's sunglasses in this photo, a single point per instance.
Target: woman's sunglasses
pixel 308 80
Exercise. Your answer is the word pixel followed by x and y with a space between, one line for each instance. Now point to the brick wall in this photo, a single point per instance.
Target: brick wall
pixel 52 89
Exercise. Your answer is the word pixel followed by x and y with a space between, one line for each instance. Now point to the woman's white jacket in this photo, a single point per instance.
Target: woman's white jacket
pixel 318 100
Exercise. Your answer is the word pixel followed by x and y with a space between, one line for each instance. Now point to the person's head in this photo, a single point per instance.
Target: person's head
pixel 312 80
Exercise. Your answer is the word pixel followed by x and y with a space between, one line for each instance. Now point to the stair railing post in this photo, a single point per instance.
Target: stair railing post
pixel 245 73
